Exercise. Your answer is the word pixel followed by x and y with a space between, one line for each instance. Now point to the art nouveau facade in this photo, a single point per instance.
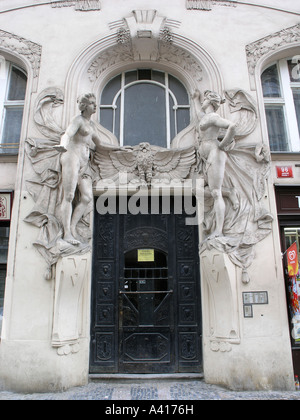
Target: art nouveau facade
pixel 186 101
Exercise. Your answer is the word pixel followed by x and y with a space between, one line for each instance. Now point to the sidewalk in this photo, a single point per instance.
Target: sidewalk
pixel 152 390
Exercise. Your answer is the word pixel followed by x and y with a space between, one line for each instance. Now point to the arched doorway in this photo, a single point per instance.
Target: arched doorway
pixel 189 63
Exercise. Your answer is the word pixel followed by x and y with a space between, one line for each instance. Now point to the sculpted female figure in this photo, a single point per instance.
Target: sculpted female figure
pixel 213 156
pixel 75 145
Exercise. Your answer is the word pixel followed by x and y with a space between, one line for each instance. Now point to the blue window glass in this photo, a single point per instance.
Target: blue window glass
pixel 271 83
pixel 145 105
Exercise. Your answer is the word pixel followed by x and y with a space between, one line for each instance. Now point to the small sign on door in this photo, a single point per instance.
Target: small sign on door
pixel 146 255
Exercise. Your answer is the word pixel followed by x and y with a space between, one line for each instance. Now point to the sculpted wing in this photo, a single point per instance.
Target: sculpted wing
pixel 244 111
pixel 174 163
pixel 111 163
pixel 105 135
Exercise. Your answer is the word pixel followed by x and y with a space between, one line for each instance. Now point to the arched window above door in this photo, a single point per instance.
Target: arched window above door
pixel 145 106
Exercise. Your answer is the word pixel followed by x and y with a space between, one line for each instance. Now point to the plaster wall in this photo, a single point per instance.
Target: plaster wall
pixel 262 357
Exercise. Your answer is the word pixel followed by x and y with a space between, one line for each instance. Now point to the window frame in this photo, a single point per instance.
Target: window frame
pixel 121 94
pixel 6 104
pixel 286 101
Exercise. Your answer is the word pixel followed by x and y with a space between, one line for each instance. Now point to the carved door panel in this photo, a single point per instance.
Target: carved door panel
pixel 146 306
pixel 104 308
pixel 146 318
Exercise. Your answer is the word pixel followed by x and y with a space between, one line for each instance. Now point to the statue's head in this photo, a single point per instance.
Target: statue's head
pixel 86 100
pixel 213 99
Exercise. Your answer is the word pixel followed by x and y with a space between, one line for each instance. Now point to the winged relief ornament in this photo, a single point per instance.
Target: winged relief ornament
pixel 145 164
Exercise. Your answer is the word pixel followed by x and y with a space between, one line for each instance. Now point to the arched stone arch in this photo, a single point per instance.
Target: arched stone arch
pixel 130 48
pixel 27 55
pixel 24 53
pixel 271 48
pixel 264 52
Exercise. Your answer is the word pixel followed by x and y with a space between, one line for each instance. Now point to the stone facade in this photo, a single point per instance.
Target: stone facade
pixel 217 49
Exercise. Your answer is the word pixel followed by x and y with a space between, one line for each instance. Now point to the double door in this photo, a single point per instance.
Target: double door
pixel 146 306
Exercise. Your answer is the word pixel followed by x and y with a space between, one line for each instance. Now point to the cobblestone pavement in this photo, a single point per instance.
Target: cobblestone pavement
pixel 152 390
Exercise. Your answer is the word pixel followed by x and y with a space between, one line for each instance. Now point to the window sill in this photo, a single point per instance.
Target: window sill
pixel 285 156
pixel 7 158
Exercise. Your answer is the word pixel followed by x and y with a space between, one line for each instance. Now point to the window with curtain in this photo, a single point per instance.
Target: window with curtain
pixel 145 106
pixel 13 82
pixel 281 90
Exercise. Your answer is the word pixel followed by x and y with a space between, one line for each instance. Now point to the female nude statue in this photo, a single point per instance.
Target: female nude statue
pixel 213 156
pixel 75 146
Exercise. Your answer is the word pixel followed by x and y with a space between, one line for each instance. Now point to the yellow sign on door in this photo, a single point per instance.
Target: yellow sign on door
pixel 146 255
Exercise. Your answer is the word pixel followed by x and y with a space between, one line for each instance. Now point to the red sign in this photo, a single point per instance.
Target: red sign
pixel 293 265
pixel 284 172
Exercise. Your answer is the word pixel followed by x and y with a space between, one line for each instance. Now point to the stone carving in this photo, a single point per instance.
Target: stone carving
pixel 208 4
pixel 66 166
pixel 145 164
pixel 144 36
pixel 62 185
pixel 234 175
pixel 221 277
pixel 44 112
pixel 85 5
pixel 76 172
pixel 82 5
pixel 71 277
pixel 199 4
pixel 273 42
pixel 62 3
pixel 242 105
pixel 16 44
pixel 123 52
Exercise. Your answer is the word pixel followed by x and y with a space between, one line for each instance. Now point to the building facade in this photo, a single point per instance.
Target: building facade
pixel 149 191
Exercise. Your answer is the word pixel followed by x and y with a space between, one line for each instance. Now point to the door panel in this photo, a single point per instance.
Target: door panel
pixel 146 313
pixel 145 317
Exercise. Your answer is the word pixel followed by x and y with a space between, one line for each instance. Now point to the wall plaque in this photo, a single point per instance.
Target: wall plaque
pixel 253 298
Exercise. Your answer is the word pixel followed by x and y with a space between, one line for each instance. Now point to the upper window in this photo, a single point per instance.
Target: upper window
pixel 13 82
pixel 145 106
pixel 281 90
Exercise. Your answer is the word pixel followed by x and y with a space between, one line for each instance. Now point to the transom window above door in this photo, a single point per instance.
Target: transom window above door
pixel 145 106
